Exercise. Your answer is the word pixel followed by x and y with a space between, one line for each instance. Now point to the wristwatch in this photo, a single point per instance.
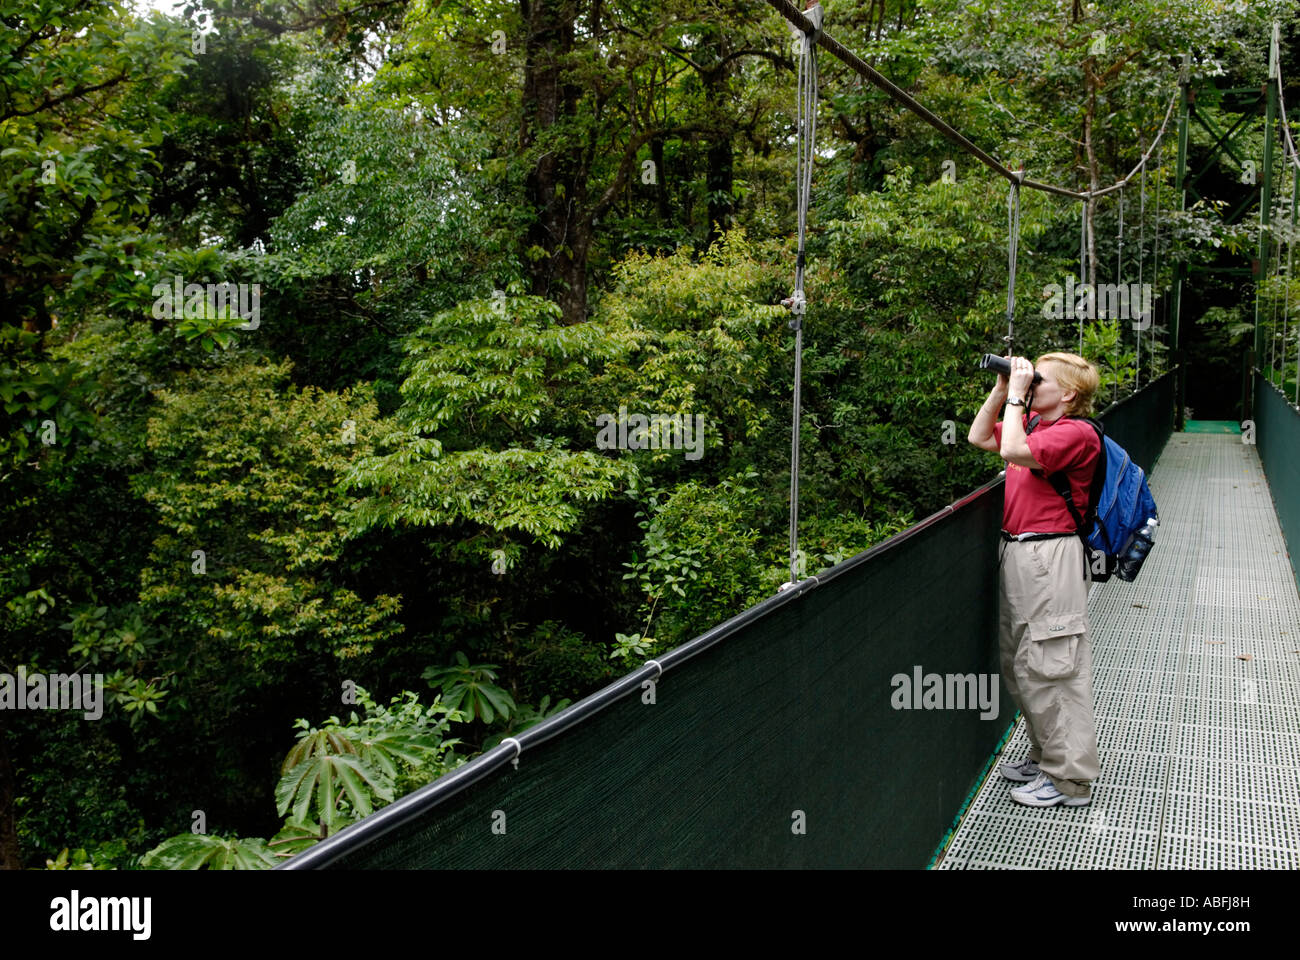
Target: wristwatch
pixel 1015 403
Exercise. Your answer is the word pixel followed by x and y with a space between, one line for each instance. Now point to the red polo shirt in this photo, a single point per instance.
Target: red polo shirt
pixel 1031 504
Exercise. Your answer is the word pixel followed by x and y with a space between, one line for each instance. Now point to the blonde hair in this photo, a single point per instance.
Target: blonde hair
pixel 1077 374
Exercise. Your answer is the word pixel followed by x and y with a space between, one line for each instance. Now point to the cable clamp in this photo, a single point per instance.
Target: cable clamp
pixel 658 666
pixel 794 583
pixel 797 304
pixel 815 15
pixel 518 750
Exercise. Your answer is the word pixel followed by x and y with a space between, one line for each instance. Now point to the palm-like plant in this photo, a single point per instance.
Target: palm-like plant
pixel 333 775
pixel 191 851
pixel 469 688
pixel 323 767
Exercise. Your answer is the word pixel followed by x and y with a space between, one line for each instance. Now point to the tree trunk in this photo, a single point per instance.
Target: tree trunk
pixel 719 175
pixel 661 182
pixel 10 851
pixel 556 186
pixel 720 186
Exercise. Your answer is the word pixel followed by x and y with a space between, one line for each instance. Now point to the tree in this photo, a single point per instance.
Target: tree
pixel 78 120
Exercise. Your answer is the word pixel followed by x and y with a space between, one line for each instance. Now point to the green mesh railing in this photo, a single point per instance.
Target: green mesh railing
pixel 781 738
pixel 1277 438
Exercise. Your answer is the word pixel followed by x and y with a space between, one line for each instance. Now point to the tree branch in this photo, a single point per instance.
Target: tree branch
pixel 75 92
pixel 629 156
pixel 776 58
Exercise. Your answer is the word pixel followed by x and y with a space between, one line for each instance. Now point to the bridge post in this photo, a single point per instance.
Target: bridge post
pixel 1180 268
pixel 1265 219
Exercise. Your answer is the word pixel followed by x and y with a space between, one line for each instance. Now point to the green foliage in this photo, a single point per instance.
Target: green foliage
pixel 78 860
pixel 191 851
pixel 483 376
pixel 696 337
pixel 315 784
pixel 36 394
pixel 527 716
pixel 125 649
pixel 335 774
pixel 332 776
pixel 1115 361
pixel 698 563
pixel 247 471
pixel 926 261
pixel 294 838
pixel 397 215
pixel 552 662
pixel 1279 300
pixel 80 120
pixel 537 492
pixel 469 687
pixel 71 789
pixel 630 649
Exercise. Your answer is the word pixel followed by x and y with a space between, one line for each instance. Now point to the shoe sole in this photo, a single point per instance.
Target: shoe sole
pixel 1031 801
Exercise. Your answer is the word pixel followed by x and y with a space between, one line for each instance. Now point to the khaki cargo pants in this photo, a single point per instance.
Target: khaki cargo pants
pixel 1046 655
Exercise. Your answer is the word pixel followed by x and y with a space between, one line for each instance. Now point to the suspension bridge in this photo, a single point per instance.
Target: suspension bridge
pixel 771 740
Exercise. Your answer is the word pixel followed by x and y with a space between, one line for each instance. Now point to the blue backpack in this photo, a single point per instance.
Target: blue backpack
pixel 1119 503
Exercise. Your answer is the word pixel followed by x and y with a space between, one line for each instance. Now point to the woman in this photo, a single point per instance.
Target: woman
pixel 1043 630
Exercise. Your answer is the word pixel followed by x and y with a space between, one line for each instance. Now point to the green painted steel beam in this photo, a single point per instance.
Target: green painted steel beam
pixel 1180 270
pixel 1265 202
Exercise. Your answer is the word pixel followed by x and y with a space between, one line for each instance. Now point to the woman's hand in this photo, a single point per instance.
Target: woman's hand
pixel 1000 388
pixel 1022 375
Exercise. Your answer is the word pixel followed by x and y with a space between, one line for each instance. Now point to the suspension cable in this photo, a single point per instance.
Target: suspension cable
pixel 806 144
pixel 1155 267
pixel 1083 262
pixel 1119 242
pixel 1290 251
pixel 1292 157
pixel 1143 318
pixel 859 66
pixel 1013 246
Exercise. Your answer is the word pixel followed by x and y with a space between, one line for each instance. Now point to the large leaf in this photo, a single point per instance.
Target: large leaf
pixel 191 851
pixel 467 686
pixel 314 788
pixel 385 748
pixel 316 743
pixel 294 838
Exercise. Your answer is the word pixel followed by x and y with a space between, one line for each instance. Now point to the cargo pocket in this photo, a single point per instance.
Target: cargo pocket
pixel 1038 561
pixel 1054 645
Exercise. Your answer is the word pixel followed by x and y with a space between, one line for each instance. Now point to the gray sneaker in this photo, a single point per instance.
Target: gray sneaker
pixel 1023 772
pixel 1043 793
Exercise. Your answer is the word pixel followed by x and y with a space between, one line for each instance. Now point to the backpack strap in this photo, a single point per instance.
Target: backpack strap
pixel 1098 482
pixel 1061 484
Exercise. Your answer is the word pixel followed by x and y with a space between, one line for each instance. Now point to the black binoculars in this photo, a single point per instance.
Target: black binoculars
pixel 1002 365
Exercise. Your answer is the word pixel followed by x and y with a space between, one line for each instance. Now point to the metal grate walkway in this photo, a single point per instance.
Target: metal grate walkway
pixel 1200 748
